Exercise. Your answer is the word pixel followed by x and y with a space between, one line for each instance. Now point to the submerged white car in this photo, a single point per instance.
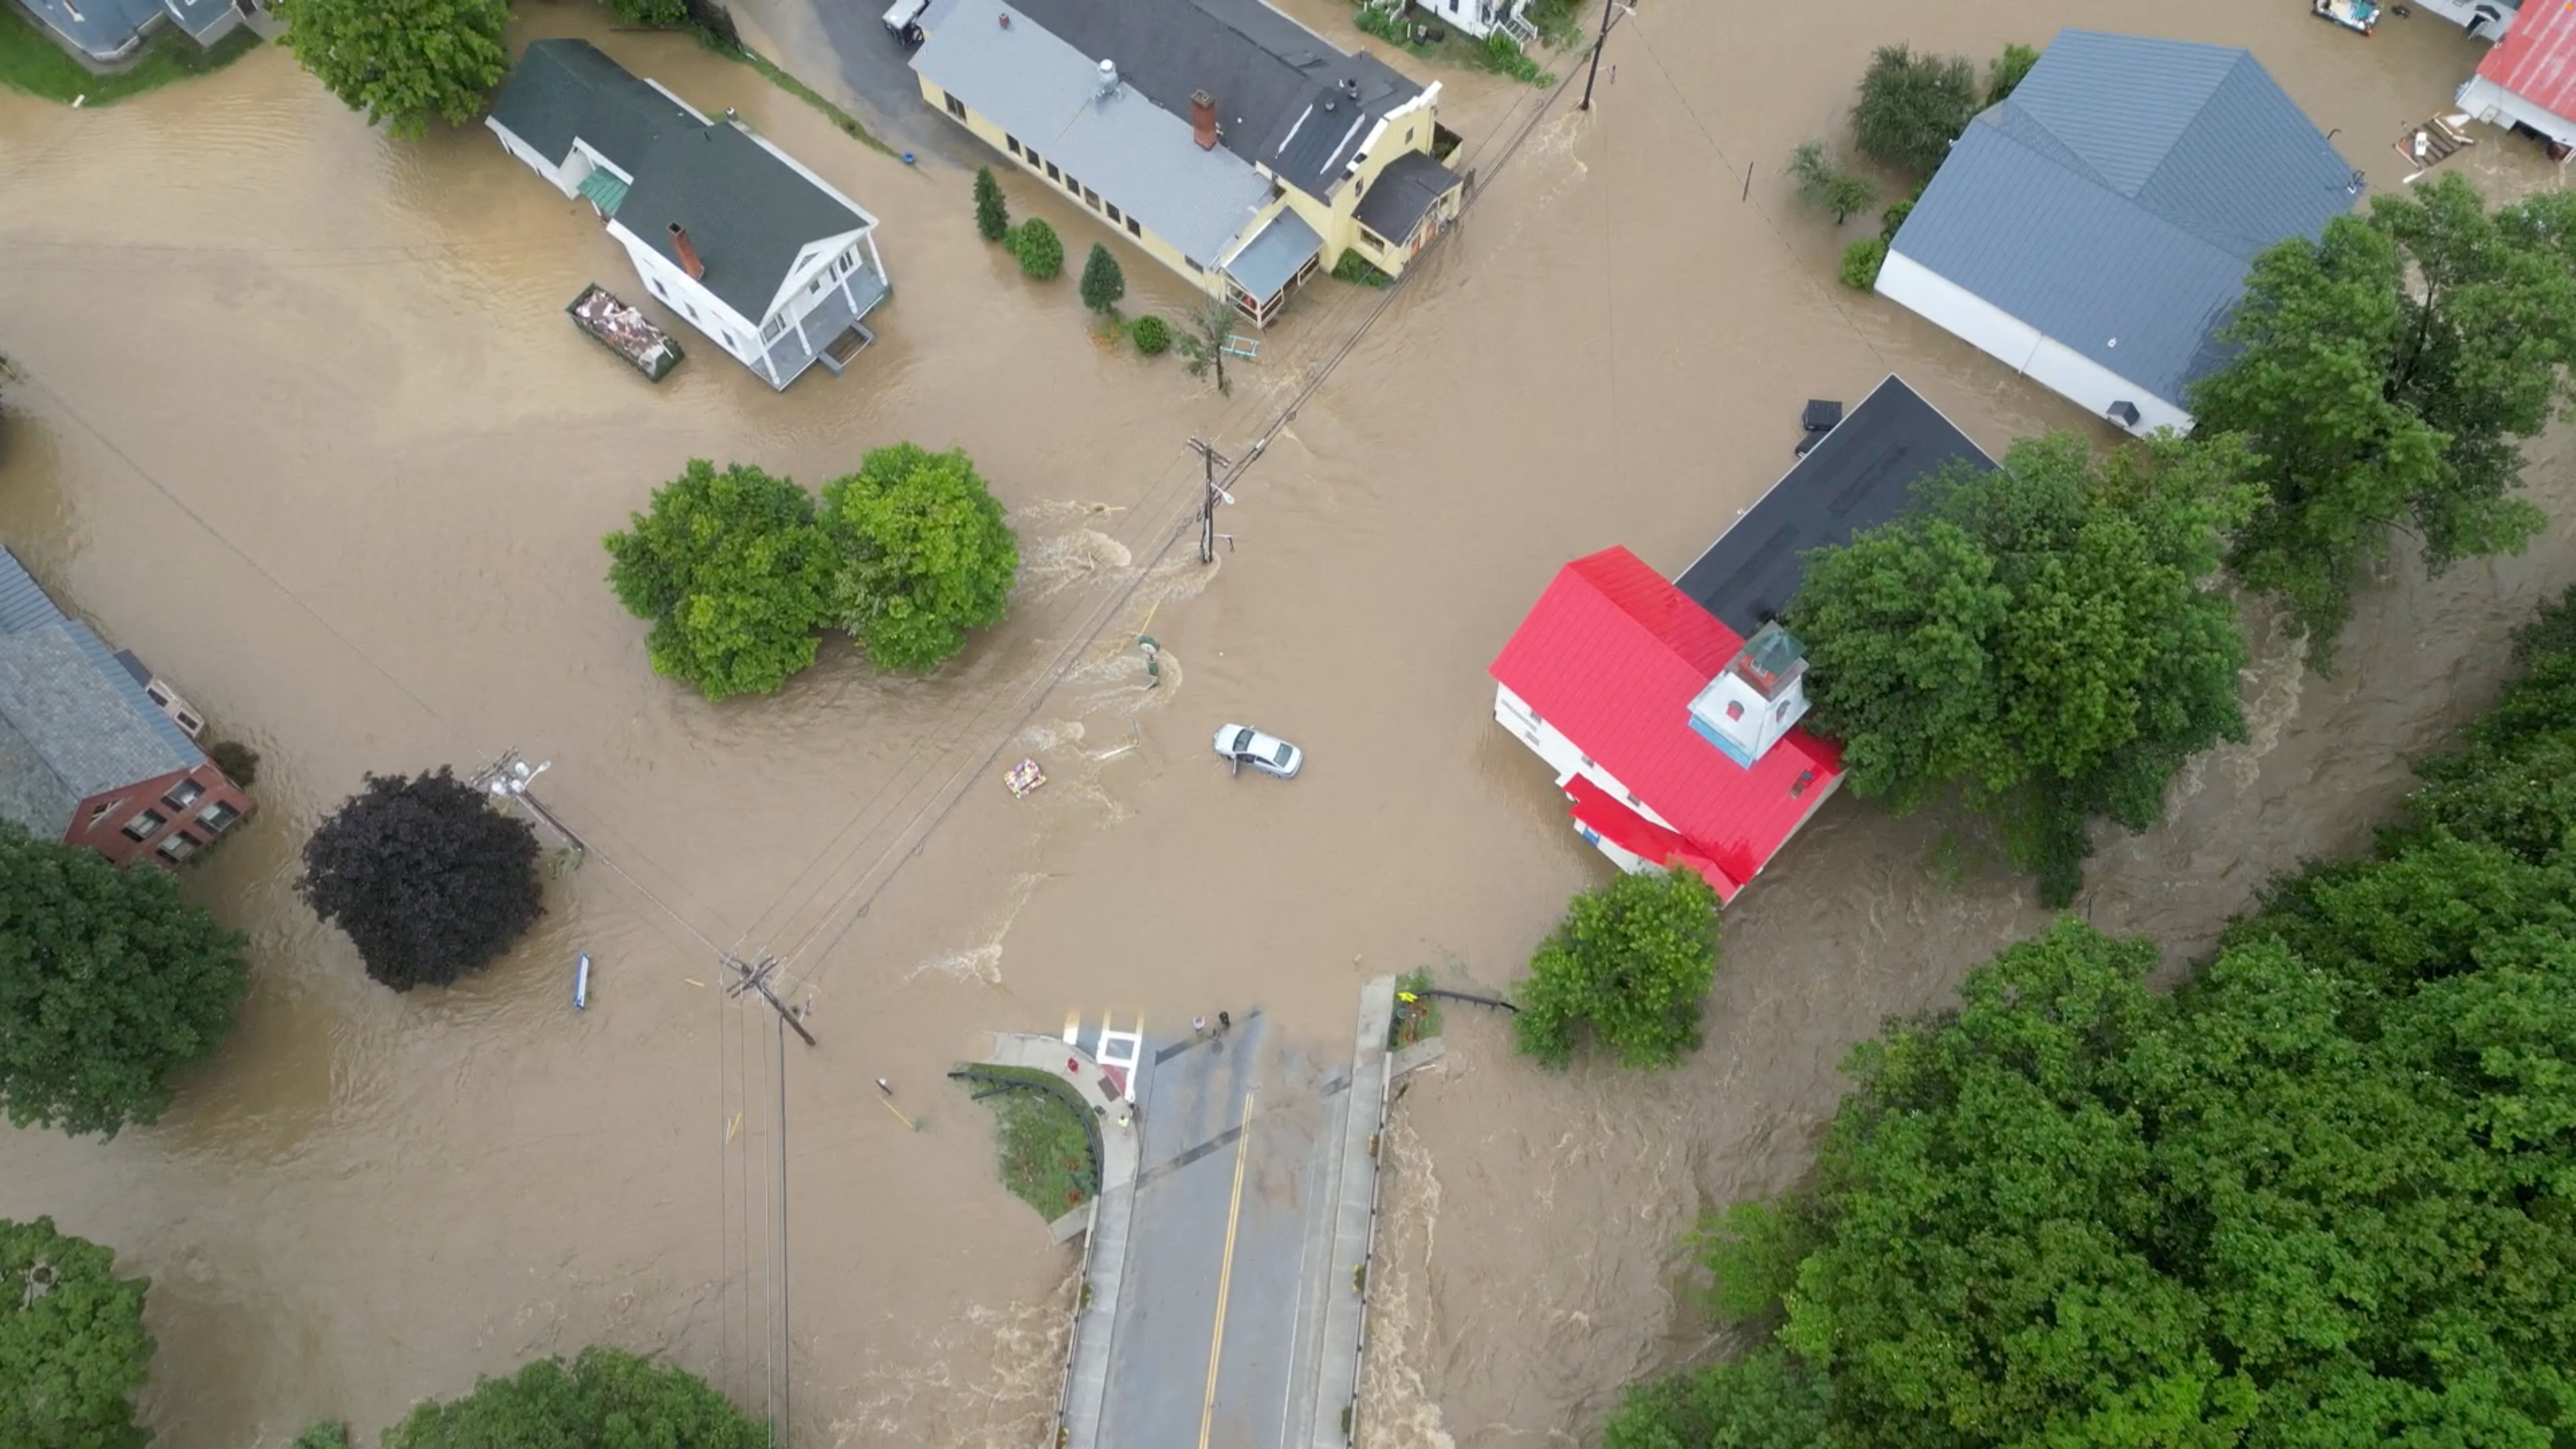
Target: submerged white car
pixel 1243 745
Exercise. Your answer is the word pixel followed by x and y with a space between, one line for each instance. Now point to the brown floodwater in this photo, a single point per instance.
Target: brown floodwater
pixel 300 423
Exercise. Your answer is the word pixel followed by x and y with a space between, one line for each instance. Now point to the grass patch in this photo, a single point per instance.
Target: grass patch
pixel 1358 269
pixel 848 124
pixel 31 62
pixel 1415 1019
pixel 1045 1136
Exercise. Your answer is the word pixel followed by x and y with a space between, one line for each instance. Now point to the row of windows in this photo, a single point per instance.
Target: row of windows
pixel 1064 179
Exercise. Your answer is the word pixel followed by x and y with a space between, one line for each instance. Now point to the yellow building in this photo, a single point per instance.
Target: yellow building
pixel 1229 142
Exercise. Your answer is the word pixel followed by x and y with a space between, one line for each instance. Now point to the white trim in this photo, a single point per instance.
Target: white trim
pixel 2022 347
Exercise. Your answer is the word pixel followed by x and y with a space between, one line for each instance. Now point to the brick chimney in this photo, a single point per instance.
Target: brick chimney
pixel 687 251
pixel 1203 120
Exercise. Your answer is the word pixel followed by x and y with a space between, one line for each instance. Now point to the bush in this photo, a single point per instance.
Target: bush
pixel 1861 261
pixel 1892 220
pixel 1152 335
pixel 1040 250
pixel 1360 270
pixel 1827 187
pixel 1103 284
pixel 1629 965
pixel 1503 55
pixel 323 1434
pixel 1385 24
pixel 238 761
pixel 605 1397
pixel 2004 74
pixel 1912 107
pixel 992 213
pixel 426 877
pixel 662 13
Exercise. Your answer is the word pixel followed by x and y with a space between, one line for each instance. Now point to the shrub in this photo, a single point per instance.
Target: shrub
pixel 1912 107
pixel 238 761
pixel 1827 187
pixel 1503 55
pixel 1102 282
pixel 992 213
pixel 1861 261
pixel 2004 74
pixel 1358 269
pixel 1152 335
pixel 650 12
pixel 1040 250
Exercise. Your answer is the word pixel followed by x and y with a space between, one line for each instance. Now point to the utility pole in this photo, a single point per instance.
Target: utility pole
pixel 755 977
pixel 1608 8
pixel 1212 460
pixel 508 778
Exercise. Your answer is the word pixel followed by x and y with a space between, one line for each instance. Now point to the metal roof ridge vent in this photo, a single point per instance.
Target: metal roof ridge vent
pixel 1108 78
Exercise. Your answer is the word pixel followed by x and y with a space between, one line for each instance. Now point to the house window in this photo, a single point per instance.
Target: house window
pixel 217 816
pixel 1034 160
pixel 1052 173
pixel 1734 709
pixel 99 815
pixel 158 696
pixel 956 108
pixel 1371 238
pixel 183 794
pixel 1072 185
pixel 1112 209
pixel 178 847
pixel 1091 198
pixel 1194 265
pixel 188 722
pixel 1014 143
pixel 1799 786
pixel 1133 229
pixel 142 825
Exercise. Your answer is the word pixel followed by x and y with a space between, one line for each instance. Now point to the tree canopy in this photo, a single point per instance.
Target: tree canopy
pixel 2320 1196
pixel 72 1346
pixel 731 568
pixel 2388 375
pixel 1103 284
pixel 606 1397
pixel 426 877
pixel 1912 106
pixel 992 213
pixel 923 554
pixel 1629 967
pixel 110 986
pixel 402 64
pixel 2044 638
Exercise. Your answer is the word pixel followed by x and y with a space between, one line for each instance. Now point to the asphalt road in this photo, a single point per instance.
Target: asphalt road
pixel 841 48
pixel 1213 1343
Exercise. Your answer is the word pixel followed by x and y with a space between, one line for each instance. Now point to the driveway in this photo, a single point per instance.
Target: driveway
pixel 841 49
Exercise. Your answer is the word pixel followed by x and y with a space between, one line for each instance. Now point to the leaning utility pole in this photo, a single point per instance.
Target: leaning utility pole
pixel 1608 9
pixel 1212 460
pixel 508 778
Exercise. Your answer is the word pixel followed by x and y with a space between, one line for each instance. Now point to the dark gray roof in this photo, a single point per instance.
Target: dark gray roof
pixel 747 212
pixel 73 722
pixel 1406 189
pixel 562 89
pixel 1861 475
pixel 1271 78
pixel 2115 200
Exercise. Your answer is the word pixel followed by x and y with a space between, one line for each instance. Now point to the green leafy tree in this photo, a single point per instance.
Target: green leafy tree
pixel 405 63
pixel 1102 283
pixel 2005 72
pixel 428 879
pixel 992 213
pixel 733 571
pixel 1827 187
pixel 925 554
pixel 2388 375
pixel 2043 639
pixel 72 1346
pixel 324 1434
pixel 1201 337
pixel 1912 106
pixel 1752 1251
pixel 1630 965
pixel 1766 1400
pixel 606 1397
pixel 110 986
pixel 1039 249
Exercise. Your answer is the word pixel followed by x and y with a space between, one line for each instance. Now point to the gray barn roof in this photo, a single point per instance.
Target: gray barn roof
pixel 2117 198
pixel 1136 155
pixel 1271 78
pixel 73 722
pixel 1861 475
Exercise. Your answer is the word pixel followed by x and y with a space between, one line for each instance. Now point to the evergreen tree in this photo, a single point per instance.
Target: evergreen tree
pixel 1102 283
pixel 992 213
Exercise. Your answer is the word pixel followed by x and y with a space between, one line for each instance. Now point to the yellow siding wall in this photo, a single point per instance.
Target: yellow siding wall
pixel 1153 245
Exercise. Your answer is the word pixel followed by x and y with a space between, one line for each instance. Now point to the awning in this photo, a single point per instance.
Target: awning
pixel 1275 256
pixel 602 189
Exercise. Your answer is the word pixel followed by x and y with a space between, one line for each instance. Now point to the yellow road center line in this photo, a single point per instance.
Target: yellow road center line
pixel 1225 1274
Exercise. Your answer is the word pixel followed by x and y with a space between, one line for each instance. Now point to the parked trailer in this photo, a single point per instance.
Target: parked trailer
pixel 625 331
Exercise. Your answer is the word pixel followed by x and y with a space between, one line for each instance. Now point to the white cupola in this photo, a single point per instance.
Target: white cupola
pixel 1756 698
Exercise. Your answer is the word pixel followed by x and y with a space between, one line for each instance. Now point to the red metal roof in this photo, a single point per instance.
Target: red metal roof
pixel 2536 60
pixel 1612 656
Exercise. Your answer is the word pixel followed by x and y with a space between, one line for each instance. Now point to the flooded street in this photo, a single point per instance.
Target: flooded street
pixel 301 424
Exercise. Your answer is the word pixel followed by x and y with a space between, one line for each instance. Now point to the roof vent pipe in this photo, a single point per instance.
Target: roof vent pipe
pixel 1108 77
pixel 1351 86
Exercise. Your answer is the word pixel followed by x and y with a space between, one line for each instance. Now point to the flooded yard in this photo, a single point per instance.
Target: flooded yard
pixel 301 421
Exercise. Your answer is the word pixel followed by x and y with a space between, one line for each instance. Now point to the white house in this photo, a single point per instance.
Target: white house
pixel 761 255
pixel 2488 20
pixel 1478 18
pixel 2093 229
pixel 2529 79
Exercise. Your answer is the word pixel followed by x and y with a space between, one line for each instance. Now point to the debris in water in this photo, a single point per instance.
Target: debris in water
pixel 1024 777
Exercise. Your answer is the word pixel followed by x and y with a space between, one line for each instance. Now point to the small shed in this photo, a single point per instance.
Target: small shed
pixel 2529 79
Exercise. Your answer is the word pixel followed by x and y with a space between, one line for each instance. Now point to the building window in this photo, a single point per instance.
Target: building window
pixel 1799 786
pixel 99 816
pixel 1112 209
pixel 1194 265
pixel 216 817
pixel 1014 143
pixel 1032 157
pixel 183 794
pixel 142 825
pixel 1052 173
pixel 1072 185
pixel 155 692
pixel 1134 230
pixel 1371 238
pixel 1091 198
pixel 178 847
pixel 956 108
pixel 188 722
pixel 1734 709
